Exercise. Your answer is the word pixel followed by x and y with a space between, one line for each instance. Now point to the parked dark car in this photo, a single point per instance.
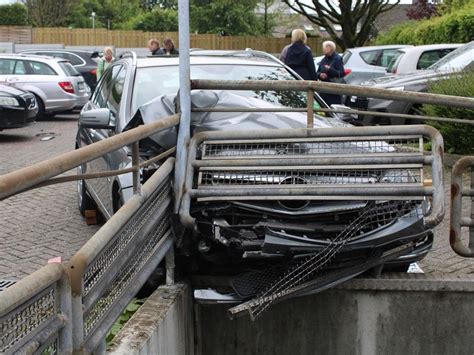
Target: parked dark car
pixel 18 108
pixel 84 61
pixel 459 60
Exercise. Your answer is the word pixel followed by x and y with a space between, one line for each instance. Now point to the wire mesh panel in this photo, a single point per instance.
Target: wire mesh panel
pixel 33 311
pixel 120 258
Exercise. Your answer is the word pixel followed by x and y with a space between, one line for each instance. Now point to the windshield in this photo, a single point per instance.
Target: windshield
pixel 156 81
pixel 456 60
pixel 68 69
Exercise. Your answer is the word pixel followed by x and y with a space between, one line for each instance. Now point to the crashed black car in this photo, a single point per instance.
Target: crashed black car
pixel 18 108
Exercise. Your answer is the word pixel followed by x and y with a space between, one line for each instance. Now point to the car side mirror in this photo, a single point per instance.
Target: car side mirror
pixel 98 118
pixel 345 116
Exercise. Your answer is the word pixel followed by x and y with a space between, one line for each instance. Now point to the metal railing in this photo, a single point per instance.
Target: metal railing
pixel 35 313
pixel 42 312
pixel 457 219
pixel 329 164
pixel 109 270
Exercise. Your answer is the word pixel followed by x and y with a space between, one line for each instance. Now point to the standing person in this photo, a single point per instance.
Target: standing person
pixel 154 47
pixel 105 61
pixel 169 48
pixel 331 69
pixel 299 56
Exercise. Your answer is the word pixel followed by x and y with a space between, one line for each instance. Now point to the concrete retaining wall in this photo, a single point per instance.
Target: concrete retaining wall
pixel 163 325
pixel 347 322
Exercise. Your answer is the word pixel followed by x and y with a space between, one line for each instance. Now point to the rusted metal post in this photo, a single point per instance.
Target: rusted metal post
pixel 136 167
pixel 310 100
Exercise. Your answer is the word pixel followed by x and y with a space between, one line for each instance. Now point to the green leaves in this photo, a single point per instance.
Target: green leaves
pixel 129 311
pixel 13 15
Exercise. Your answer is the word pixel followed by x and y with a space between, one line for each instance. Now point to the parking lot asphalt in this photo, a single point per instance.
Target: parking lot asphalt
pixel 45 223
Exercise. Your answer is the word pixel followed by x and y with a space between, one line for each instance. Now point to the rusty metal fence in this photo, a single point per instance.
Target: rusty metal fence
pixel 459 190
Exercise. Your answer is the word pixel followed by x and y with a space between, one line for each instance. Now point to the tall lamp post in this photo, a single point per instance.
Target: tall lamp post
pixel 93 14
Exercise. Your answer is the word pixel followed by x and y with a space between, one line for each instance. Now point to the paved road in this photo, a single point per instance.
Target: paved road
pixel 44 223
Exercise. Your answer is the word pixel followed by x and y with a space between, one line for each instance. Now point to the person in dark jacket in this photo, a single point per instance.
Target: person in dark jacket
pixel 154 47
pixel 169 47
pixel 331 69
pixel 299 57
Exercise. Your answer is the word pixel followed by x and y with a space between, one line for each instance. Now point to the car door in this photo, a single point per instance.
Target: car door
pixel 12 72
pixel 108 95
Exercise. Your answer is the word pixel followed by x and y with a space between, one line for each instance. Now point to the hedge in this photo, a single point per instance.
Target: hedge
pixel 13 15
pixel 454 27
pixel 458 138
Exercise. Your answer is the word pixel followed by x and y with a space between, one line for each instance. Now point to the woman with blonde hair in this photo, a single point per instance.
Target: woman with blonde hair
pixel 299 57
pixel 105 61
pixel 331 69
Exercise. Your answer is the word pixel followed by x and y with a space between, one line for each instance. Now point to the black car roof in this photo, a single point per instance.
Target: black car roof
pixel 11 90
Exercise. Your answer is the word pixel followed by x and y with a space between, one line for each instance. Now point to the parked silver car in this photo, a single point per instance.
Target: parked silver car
pixel 134 91
pixel 57 85
pixel 461 59
pixel 367 63
pixel 411 59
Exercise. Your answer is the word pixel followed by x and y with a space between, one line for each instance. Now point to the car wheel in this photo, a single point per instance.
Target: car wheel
pixel 85 202
pixel 40 114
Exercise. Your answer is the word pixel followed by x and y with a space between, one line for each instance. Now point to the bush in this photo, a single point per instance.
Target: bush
pixel 458 138
pixel 453 27
pixel 13 15
pixel 157 20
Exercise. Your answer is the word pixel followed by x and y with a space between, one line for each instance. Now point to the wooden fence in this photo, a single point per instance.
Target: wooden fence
pixel 134 39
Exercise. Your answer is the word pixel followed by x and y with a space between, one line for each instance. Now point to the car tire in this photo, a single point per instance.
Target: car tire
pixel 40 114
pixel 85 202
pixel 117 198
pixel 397 268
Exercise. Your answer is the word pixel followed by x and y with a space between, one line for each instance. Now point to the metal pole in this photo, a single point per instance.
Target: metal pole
pixel 136 166
pixel 184 101
pixel 310 109
pixel 170 267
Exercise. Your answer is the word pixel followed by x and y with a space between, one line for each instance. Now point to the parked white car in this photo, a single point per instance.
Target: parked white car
pixel 407 60
pixel 57 85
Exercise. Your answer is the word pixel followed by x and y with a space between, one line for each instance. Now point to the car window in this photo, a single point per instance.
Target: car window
pixel 153 82
pixel 456 60
pixel 19 68
pixel 38 68
pixel 68 69
pixel 74 59
pixel 116 90
pixel 428 58
pixel 386 57
pixel 392 67
pixel 370 57
pixel 7 66
pixel 345 57
pixel 105 84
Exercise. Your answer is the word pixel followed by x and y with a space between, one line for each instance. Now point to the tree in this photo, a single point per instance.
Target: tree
pixel 356 18
pixel 13 15
pixel 48 13
pixel 422 9
pixel 157 20
pixel 268 18
pixel 230 17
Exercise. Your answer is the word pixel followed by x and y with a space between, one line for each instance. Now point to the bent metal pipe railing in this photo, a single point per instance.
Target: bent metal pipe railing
pixel 244 165
pixel 35 313
pixel 108 271
pixel 457 220
pixel 34 175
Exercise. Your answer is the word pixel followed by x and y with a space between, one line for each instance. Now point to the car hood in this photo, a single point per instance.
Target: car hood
pixel 405 79
pixel 164 106
pixel 4 89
